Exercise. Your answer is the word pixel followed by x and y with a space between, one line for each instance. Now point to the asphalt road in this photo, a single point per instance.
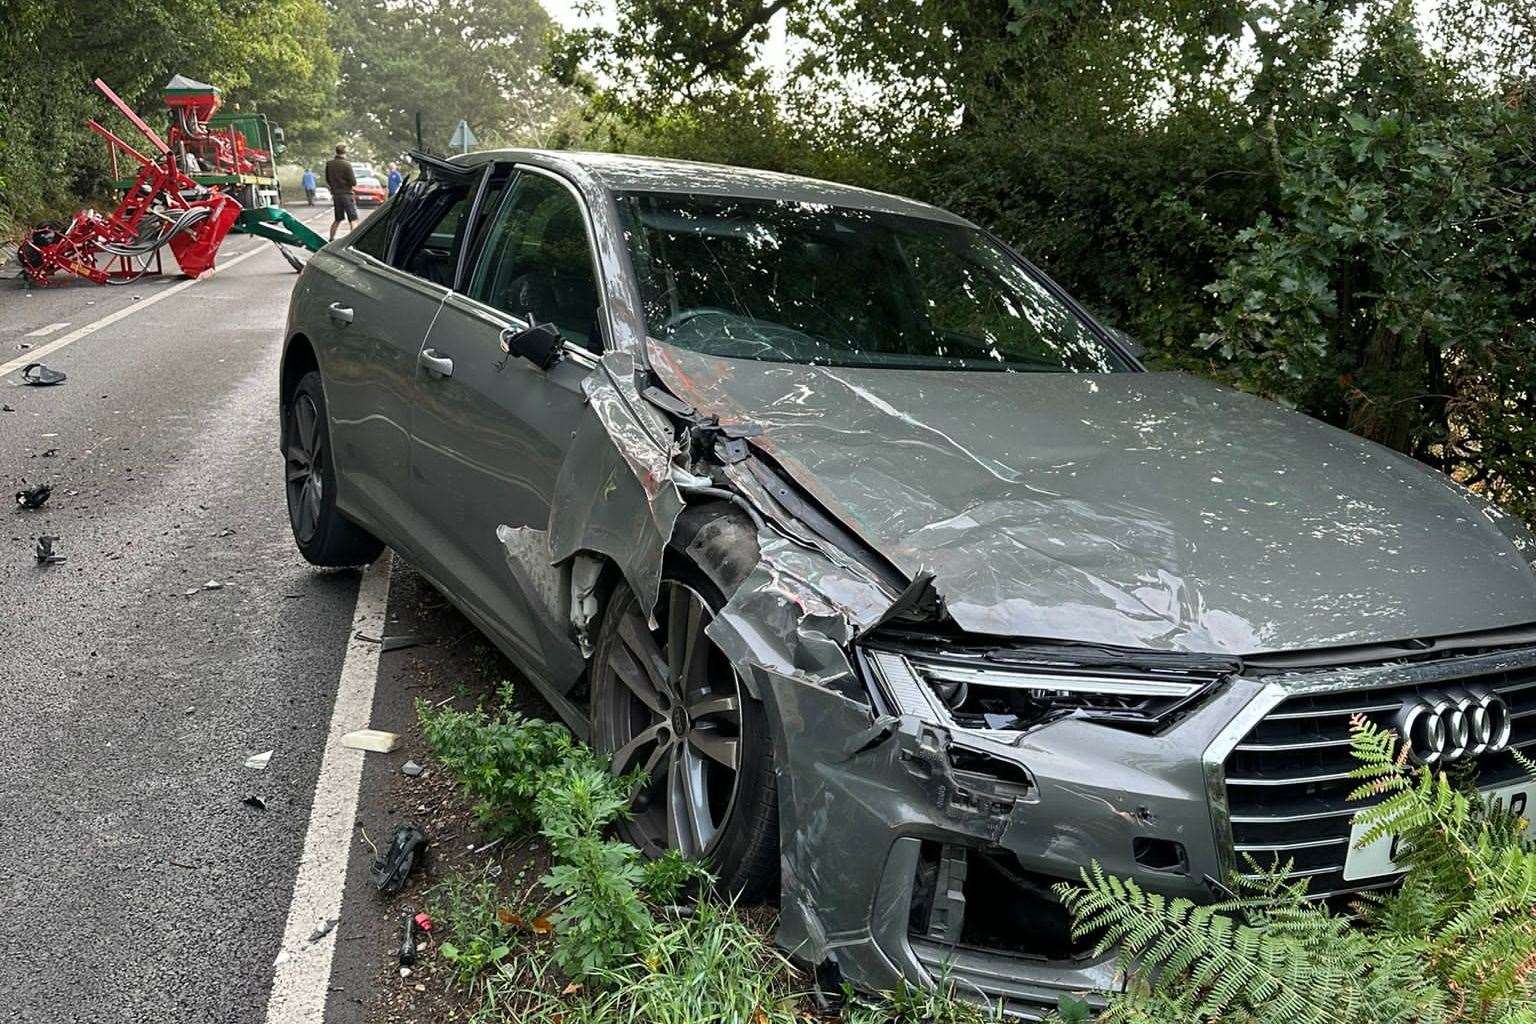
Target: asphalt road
pixel 182 635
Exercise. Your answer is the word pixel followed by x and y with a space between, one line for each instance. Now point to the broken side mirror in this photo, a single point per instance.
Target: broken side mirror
pixel 538 343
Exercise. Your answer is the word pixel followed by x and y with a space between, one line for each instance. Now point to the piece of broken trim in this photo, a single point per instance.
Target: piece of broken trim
pixel 39 376
pixel 259 761
pixel 34 497
pixel 45 553
pixel 376 740
pixel 393 643
pixel 406 848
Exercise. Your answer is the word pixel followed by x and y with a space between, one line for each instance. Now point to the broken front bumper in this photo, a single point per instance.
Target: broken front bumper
pixel 914 852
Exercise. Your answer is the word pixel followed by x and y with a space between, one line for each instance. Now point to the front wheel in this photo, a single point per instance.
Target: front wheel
pixel 323 534
pixel 668 702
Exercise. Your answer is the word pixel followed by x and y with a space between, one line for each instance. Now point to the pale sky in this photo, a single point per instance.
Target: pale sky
pixel 564 14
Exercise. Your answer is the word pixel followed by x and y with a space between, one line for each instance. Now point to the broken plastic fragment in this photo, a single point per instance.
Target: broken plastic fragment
pixel 255 801
pixel 412 769
pixel 35 496
pixel 400 643
pixel 406 847
pixel 259 761
pixel 323 929
pixel 38 375
pixel 376 740
pixel 45 553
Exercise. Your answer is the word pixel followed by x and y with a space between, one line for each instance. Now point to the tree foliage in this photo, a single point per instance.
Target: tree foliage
pixel 1329 203
pixel 482 61
pixel 268 55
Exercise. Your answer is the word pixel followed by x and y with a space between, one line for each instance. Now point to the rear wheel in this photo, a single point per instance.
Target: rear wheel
pixel 323 534
pixel 668 702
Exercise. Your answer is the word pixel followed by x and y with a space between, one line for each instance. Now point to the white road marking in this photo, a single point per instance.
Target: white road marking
pixel 43 332
pixel 302 975
pixel 35 355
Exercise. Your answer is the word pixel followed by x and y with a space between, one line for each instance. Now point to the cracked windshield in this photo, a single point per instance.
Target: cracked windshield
pixel 791 281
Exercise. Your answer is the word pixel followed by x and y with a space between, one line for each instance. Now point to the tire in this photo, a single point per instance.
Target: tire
pixel 324 536
pixel 694 800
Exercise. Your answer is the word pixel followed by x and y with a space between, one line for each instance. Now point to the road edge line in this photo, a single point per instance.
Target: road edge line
pixel 36 354
pixel 301 975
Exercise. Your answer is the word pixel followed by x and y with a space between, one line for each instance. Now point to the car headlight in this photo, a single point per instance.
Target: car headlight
pixel 969 692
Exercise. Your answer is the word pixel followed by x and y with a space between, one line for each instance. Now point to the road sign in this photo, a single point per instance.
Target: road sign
pixel 463 138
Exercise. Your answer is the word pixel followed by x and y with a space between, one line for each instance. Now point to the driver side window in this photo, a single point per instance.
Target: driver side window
pixel 537 262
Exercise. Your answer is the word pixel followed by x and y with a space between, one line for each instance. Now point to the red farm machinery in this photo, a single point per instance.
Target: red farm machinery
pixel 204 179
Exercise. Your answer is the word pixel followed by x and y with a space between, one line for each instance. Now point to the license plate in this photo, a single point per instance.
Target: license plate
pixel 1377 858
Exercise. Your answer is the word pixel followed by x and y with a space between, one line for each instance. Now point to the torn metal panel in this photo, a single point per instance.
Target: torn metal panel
pixel 534 574
pixel 615 495
pixel 796 613
pixel 1136 509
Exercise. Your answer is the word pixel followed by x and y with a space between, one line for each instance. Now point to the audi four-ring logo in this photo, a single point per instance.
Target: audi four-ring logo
pixel 1443 727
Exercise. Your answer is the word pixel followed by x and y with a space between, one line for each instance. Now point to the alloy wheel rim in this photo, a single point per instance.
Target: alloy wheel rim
pixel 305 453
pixel 673 706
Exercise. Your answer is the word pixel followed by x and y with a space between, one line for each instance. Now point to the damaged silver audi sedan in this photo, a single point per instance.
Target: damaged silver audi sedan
pixel 910 589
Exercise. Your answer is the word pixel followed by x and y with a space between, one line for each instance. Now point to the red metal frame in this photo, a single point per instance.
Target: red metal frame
pixel 161 190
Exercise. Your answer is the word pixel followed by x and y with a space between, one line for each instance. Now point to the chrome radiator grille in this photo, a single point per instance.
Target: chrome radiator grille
pixel 1287 779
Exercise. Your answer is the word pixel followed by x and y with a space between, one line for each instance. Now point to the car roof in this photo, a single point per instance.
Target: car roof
pixel 619 172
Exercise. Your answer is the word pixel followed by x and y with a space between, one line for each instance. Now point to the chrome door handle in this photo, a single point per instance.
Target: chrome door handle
pixel 341 314
pixel 434 361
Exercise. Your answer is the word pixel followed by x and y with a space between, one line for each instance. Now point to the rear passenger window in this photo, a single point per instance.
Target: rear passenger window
pixel 373 238
pixel 537 261
pixel 431 220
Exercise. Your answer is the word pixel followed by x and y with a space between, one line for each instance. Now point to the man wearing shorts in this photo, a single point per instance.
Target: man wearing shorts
pixel 340 179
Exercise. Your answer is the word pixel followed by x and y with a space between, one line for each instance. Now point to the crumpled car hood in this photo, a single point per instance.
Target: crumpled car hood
pixel 1143 510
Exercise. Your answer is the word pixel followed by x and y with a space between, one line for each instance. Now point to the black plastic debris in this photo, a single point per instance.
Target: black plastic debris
pixel 45 553
pixel 253 800
pixel 40 376
pixel 406 848
pixel 6 408
pixel 398 642
pixel 35 496
pixel 408 943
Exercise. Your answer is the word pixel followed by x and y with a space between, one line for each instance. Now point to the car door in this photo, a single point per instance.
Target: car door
pixel 373 317
pixel 491 430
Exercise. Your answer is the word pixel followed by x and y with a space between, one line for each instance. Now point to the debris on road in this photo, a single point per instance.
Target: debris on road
pixel 376 740
pixel 407 954
pixel 406 847
pixel 412 769
pixel 39 376
pixel 6 408
pixel 393 643
pixel 45 553
pixel 323 929
pixel 259 761
pixel 255 801
pixel 424 921
pixel 35 496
